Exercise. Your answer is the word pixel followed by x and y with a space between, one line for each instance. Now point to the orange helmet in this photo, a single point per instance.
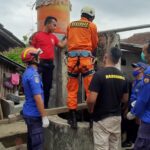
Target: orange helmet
pixel 29 53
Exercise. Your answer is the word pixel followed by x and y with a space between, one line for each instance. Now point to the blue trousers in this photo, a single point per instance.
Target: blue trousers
pixel 143 139
pixel 35 133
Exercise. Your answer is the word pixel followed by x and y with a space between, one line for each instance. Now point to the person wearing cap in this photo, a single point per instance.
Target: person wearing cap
pixel 33 111
pixel 82 41
pixel 138 72
pixel 108 89
pixel 132 125
pixel 142 107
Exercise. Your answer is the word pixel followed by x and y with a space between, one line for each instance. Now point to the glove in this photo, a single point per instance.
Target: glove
pixel 133 103
pixel 91 121
pixel 45 122
pixel 130 116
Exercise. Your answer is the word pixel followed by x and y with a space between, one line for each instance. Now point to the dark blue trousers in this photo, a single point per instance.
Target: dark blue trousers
pixel 35 133
pixel 143 139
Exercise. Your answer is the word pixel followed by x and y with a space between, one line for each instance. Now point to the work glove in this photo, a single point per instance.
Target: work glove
pixel 91 120
pixel 130 116
pixel 45 122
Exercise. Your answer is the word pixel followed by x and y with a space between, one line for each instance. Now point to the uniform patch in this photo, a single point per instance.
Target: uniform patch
pixel 79 24
pixel 146 80
pixel 36 79
pixel 114 76
pixel 53 42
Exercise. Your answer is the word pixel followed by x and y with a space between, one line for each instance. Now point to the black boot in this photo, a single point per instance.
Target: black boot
pixel 72 119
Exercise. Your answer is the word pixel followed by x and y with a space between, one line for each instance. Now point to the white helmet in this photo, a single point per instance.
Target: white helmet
pixel 88 10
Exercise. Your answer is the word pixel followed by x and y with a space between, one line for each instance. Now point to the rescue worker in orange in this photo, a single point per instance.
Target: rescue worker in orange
pixel 82 41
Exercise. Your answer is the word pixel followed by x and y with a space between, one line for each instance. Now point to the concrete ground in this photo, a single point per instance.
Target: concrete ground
pixel 12 134
pixel 11 129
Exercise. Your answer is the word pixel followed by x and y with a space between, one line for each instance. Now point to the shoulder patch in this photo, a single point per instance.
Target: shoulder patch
pixel 36 79
pixel 146 80
pixel 79 24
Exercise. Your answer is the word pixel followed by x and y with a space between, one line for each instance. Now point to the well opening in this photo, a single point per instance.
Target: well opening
pixel 82 115
pixel 13 140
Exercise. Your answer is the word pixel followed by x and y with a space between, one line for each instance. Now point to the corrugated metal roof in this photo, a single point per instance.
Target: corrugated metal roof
pixel 8 40
pixel 11 63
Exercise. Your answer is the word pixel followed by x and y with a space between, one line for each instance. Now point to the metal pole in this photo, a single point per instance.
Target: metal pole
pixel 127 28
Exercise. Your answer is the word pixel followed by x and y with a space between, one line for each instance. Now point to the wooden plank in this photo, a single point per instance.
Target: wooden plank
pixel 58 110
pixel 51 111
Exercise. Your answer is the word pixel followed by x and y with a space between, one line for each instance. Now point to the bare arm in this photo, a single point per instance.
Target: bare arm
pixel 62 43
pixel 91 101
pixel 40 105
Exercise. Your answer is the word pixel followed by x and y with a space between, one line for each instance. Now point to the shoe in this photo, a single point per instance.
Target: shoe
pixel 72 121
pixel 127 144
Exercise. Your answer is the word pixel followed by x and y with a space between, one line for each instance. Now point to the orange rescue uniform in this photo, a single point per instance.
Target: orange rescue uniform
pixel 82 37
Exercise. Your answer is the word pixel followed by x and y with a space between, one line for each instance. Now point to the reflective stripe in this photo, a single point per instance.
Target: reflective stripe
pixel 90 72
pixel 74 75
pixel 81 53
pixel 27 50
pixel 79 24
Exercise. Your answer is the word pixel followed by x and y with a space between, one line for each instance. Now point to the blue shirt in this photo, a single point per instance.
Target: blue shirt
pixel 142 106
pixel 137 85
pixel 32 85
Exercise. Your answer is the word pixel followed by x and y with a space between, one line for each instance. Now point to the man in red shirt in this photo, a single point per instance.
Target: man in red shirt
pixel 46 41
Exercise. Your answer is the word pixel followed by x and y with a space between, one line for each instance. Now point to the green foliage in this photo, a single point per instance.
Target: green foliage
pixel 14 55
pixel 25 38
